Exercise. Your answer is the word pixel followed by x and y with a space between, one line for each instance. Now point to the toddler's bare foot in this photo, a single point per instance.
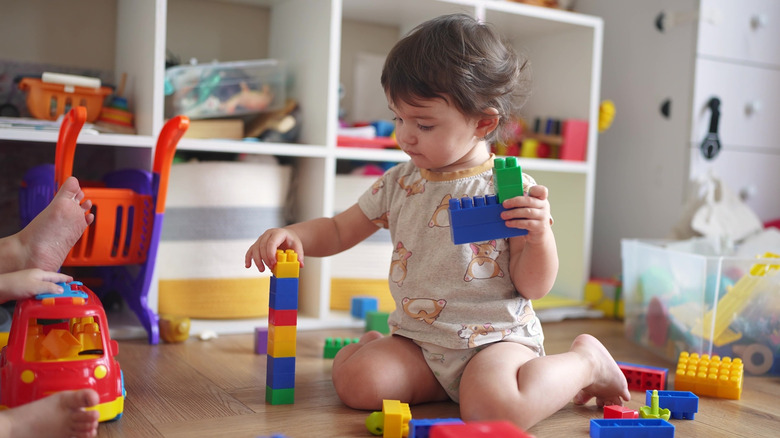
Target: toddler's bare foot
pixel 609 384
pixel 47 240
pixel 58 415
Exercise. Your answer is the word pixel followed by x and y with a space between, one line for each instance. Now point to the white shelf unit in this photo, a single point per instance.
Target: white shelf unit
pixel 564 49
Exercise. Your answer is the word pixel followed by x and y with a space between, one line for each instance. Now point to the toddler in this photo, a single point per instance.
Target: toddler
pixel 464 327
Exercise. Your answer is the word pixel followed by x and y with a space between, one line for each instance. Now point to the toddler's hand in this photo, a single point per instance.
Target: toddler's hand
pixel 530 212
pixel 30 282
pixel 263 251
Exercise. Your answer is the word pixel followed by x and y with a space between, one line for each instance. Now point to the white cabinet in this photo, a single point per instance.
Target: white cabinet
pixel 708 48
pixel 318 40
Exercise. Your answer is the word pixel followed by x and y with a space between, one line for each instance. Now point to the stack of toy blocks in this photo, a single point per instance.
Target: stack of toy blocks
pixel 478 218
pixel 713 377
pixel 282 329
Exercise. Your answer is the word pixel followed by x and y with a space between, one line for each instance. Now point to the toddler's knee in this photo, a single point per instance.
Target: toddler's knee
pixel 357 387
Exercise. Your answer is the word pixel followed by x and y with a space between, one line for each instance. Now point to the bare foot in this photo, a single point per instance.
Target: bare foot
pixel 58 415
pixel 609 384
pixel 46 241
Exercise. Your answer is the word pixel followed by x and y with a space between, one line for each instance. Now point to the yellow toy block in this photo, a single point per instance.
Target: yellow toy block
pixel 282 332
pixel 278 348
pixel 287 265
pixel 397 416
pixel 713 377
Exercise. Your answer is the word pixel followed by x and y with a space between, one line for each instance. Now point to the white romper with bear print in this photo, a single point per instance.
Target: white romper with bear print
pixel 453 296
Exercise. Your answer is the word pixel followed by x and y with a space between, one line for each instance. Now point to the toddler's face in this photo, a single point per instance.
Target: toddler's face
pixel 437 136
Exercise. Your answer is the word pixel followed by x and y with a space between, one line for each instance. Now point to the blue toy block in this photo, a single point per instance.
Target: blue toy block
pixel 478 219
pixel 682 404
pixel 421 428
pixel 360 305
pixel 630 428
pixel 284 285
pixel 283 294
pixel 507 178
pixel 280 372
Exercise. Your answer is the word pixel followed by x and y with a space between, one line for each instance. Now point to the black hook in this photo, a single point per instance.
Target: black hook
pixel 710 147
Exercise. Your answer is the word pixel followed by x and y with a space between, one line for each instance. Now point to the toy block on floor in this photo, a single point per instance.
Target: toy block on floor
pixel 507 178
pixel 261 340
pixel 396 419
pixel 478 219
pixel 333 345
pixel 377 321
pixel 683 405
pixel 287 265
pixel 359 306
pixel 712 377
pixel 478 429
pixel 421 428
pixel 624 428
pixel 279 396
pixel 614 411
pixel 652 410
pixel 280 372
pixel 643 377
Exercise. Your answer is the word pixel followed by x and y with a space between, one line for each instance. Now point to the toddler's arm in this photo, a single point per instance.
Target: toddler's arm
pixel 30 282
pixel 319 237
pixel 533 258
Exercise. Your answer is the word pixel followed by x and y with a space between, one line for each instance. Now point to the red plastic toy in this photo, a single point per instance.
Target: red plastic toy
pixel 61 342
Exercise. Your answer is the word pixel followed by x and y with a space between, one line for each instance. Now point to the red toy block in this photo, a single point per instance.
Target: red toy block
pixel 643 377
pixel 282 316
pixel 486 429
pixel 575 140
pixel 615 411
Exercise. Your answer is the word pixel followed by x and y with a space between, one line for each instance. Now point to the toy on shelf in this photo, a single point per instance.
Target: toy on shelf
pixel 116 115
pixel 682 405
pixel 478 218
pixel 655 428
pixel 282 332
pixel 392 421
pixel 360 305
pixel 61 342
pixel 129 214
pixel 376 320
pixel 652 410
pixel 54 94
pixel 709 376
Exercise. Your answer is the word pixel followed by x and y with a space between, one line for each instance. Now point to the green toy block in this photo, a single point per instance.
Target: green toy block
pixel 377 321
pixel 284 396
pixel 507 178
pixel 333 345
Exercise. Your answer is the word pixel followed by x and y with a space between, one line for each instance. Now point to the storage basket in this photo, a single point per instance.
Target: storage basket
pixel 47 100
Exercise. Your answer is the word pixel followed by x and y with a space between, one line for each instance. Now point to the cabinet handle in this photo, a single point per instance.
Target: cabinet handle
pixel 752 107
pixel 758 21
pixel 710 147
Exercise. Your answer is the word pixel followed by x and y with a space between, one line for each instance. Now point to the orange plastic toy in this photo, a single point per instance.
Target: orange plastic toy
pixel 48 101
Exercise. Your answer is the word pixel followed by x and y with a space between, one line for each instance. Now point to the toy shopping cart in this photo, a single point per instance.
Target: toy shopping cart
pixel 128 212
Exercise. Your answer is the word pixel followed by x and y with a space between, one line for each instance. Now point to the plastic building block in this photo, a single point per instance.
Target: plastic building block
pixel 652 410
pixel 478 219
pixel 683 405
pixel 333 345
pixel 284 396
pixel 360 305
pixel 422 428
pixel 643 377
pixel 377 321
pixel 261 340
pixel 282 332
pixel 478 429
pixel 280 317
pixel 287 265
pixel 712 377
pixel 280 372
pixel 624 428
pixel 574 142
pixel 605 294
pixel 614 411
pixel 283 294
pixel 281 348
pixel 507 178
pixel 396 419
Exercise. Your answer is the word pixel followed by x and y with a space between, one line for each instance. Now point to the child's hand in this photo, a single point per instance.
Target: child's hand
pixel 263 251
pixel 530 212
pixel 30 282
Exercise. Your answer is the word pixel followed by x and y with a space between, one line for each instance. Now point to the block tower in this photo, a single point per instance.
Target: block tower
pixel 282 329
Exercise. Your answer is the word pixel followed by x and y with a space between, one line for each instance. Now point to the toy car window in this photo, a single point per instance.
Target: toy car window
pixel 64 339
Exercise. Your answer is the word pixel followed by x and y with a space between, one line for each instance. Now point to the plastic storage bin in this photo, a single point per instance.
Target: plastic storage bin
pixel 226 89
pixel 48 100
pixel 701 303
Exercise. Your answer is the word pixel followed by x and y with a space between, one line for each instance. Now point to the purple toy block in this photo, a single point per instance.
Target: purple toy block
pixel 261 340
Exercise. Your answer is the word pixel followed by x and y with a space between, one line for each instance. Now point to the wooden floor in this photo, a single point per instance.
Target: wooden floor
pixel 217 389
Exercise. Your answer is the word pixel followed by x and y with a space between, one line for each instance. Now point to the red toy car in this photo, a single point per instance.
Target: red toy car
pixel 61 342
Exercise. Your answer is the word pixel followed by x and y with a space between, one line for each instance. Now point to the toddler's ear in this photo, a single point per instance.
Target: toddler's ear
pixel 487 123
